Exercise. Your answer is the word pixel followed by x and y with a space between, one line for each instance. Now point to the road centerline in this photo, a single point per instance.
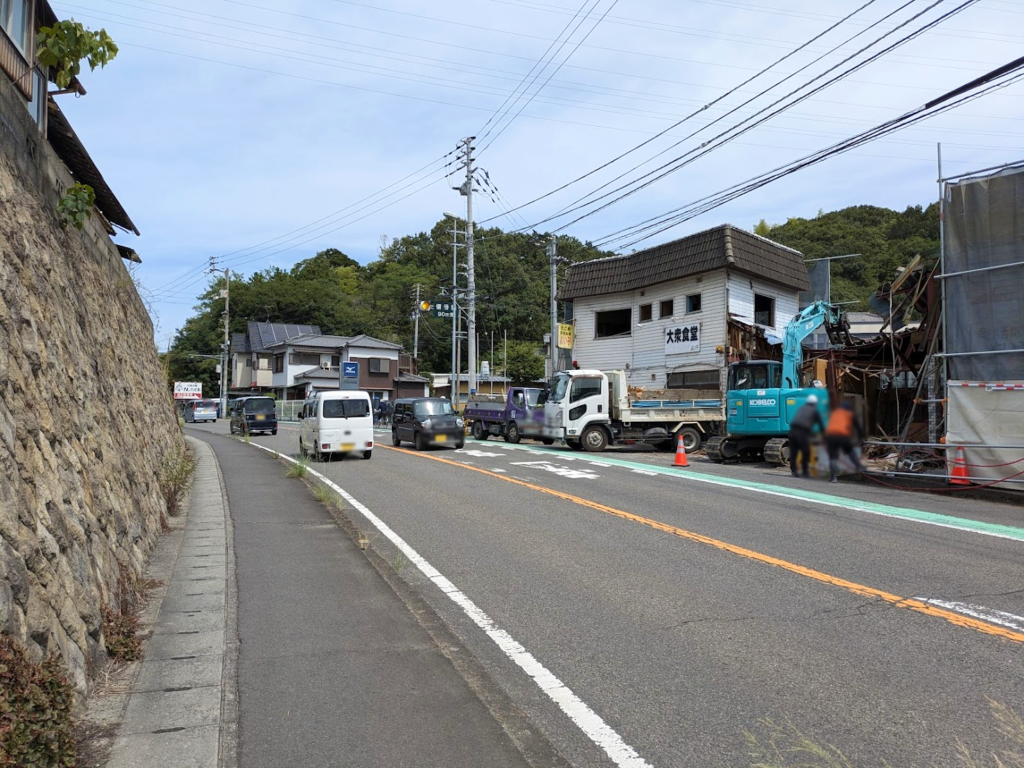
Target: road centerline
pixel 817 497
pixel 913 604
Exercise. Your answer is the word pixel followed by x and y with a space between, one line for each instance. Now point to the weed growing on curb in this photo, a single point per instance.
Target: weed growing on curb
pixel 36 702
pixel 297 468
pixel 327 496
pixel 176 472
pixel 399 563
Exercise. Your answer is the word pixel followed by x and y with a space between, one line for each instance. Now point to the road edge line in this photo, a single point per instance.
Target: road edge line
pixel 585 718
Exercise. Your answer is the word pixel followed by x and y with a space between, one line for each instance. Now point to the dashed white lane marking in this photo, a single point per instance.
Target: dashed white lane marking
pixel 1001 618
pixel 598 464
pixel 499 471
pixel 586 719
pixel 644 472
pixel 474 452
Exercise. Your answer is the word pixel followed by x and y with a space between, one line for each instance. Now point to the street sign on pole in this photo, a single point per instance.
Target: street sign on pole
pixel 350 375
pixel 445 309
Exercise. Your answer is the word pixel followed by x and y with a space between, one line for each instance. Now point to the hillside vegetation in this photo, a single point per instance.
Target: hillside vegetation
pixel 885 240
pixel 344 297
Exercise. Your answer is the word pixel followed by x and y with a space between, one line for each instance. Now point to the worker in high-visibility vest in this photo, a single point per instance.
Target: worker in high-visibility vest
pixel 842 430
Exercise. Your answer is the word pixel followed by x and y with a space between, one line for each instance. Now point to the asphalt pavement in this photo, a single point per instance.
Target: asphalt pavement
pixel 333 668
pixel 682 611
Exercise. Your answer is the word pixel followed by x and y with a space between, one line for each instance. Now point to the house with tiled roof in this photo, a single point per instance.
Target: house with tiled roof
pixel 252 361
pixel 292 361
pixel 672 315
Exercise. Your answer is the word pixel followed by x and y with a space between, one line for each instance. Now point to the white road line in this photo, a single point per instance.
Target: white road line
pixel 588 721
pixel 499 471
pixel 979 612
pixel 644 472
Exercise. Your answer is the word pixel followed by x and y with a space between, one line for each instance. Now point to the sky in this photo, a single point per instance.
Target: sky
pixel 256 133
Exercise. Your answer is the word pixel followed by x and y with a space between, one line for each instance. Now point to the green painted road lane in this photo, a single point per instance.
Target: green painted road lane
pixel 693 474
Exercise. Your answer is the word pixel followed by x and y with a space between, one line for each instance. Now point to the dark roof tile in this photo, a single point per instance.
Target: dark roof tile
pixel 691 255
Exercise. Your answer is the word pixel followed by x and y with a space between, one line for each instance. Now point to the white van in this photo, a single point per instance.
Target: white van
pixel 336 422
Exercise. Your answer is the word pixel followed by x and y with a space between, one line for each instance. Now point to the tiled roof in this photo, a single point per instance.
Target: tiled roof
pixel 362 340
pixel 319 340
pixel 324 341
pixel 263 335
pixel 691 255
pixel 240 343
pixel 319 373
pixel 411 378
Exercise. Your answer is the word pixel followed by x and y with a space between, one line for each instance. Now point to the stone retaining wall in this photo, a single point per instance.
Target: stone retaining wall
pixel 85 418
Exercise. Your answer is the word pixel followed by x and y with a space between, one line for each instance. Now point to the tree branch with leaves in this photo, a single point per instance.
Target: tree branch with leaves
pixel 66 44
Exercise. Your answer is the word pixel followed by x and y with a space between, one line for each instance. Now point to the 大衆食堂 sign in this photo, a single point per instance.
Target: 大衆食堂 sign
pixel 682 338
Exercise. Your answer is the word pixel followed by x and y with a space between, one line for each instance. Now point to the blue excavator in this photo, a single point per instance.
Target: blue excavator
pixel 763 395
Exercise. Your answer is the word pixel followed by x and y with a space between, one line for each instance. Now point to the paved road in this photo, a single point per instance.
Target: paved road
pixel 683 612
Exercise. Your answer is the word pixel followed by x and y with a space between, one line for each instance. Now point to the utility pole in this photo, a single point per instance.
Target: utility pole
pixel 416 325
pixel 456 321
pixel 226 356
pixel 467 190
pixel 552 251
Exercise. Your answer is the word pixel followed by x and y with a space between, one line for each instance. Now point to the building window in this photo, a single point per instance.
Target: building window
pixel 304 358
pixel 278 363
pixel 694 380
pixel 693 303
pixel 335 361
pixel 668 308
pixel 764 310
pixel 615 322
pixel 16 22
pixel 37 105
pixel 248 363
pixel 646 313
pixel 380 365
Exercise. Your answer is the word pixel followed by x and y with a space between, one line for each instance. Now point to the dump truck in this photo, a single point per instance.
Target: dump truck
pixel 515 416
pixel 590 410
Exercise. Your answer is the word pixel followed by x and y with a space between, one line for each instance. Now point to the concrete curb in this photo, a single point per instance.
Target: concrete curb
pixel 182 710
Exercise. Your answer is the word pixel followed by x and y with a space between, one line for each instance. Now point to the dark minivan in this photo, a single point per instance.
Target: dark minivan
pixel 254 414
pixel 425 421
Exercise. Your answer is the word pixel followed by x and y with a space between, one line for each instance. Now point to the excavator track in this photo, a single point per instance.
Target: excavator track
pixel 776 451
pixel 721 448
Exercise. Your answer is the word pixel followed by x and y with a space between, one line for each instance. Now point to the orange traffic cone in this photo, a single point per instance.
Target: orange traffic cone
pixel 959 469
pixel 681 454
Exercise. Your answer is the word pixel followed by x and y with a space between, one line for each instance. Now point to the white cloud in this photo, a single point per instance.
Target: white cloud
pixel 210 158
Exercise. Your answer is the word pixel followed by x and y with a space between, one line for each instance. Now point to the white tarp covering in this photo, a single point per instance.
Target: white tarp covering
pixel 987 414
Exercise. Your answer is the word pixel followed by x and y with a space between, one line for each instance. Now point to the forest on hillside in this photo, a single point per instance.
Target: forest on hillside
pixel 885 240
pixel 343 297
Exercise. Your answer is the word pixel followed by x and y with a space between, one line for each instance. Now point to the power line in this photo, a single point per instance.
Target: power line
pixel 947 102
pixel 554 72
pixel 696 112
pixel 752 122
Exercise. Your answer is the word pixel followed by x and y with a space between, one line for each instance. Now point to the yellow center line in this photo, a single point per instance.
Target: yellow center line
pixel 858 589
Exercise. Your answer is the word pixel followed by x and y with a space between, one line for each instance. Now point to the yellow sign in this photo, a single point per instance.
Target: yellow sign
pixel 565 335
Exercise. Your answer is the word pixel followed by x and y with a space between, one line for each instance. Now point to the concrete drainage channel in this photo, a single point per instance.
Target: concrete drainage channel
pixel 182 708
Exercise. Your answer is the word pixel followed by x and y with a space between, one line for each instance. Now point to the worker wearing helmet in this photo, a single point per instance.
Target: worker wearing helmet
pixel 801 427
pixel 843 427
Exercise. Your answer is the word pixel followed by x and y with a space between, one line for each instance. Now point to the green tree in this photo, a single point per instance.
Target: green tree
pixel 524 365
pixel 64 45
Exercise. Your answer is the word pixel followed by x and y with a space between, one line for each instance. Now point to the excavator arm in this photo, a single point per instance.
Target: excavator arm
pixel 800 327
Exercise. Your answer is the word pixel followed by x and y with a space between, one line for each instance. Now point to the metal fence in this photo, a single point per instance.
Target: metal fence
pixel 288 410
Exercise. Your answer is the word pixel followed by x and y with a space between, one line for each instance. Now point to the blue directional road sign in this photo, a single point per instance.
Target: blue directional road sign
pixel 350 375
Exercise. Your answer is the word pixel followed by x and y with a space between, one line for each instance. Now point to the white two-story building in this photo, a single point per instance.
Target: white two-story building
pixel 673 316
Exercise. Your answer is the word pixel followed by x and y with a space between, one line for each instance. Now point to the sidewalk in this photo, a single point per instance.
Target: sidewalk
pixel 332 667
pixel 181 709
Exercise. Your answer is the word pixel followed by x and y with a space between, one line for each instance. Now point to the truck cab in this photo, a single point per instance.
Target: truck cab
pixel 576 405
